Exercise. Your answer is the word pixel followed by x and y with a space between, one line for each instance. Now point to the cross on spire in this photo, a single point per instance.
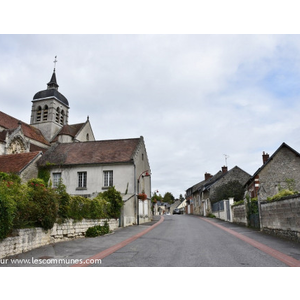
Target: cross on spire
pixel 55 61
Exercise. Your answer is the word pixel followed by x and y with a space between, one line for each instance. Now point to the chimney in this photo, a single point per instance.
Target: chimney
pixel 207 176
pixel 224 169
pixel 265 157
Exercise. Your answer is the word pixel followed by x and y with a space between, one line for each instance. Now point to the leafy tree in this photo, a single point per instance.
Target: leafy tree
pixel 231 189
pixel 156 197
pixel 169 198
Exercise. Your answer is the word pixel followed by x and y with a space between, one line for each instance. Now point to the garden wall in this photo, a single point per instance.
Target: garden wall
pixel 239 214
pixel 281 217
pixel 23 240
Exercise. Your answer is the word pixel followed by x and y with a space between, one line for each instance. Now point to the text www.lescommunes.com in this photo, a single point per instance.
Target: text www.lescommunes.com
pixel 48 261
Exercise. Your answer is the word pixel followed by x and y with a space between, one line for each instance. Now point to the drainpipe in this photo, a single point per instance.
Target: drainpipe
pixel 136 198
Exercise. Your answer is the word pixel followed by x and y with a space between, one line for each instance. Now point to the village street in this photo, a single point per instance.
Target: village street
pixel 168 241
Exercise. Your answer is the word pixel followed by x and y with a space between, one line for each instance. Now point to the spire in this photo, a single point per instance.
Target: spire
pixel 52 84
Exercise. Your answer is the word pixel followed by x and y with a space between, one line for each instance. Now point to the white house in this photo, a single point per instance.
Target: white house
pixel 92 167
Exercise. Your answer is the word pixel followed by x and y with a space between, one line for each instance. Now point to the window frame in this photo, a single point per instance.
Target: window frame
pixel 55 181
pixel 82 180
pixel 108 178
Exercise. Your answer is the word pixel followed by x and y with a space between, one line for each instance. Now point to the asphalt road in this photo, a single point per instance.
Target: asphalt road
pixel 187 241
pixel 174 241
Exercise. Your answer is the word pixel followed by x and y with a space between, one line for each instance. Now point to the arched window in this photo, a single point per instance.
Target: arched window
pixel 45 113
pixel 57 115
pixel 38 114
pixel 87 137
pixel 62 117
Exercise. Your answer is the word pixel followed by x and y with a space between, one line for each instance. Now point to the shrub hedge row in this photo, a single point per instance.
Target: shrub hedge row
pixel 36 205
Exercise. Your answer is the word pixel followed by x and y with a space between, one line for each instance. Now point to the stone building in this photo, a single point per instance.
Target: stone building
pixel 201 195
pixel 281 170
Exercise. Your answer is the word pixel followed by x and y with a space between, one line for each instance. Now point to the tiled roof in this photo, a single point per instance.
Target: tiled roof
pixel 94 152
pixel 29 131
pixel 14 163
pixel 70 130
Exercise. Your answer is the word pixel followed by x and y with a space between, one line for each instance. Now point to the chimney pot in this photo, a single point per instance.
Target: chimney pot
pixel 224 169
pixel 207 176
pixel 265 157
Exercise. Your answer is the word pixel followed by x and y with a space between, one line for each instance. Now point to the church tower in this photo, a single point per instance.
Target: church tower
pixel 50 109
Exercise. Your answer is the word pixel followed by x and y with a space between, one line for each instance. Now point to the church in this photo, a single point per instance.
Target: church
pixel 72 154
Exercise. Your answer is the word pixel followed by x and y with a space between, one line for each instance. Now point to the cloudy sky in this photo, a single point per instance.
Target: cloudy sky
pixel 194 98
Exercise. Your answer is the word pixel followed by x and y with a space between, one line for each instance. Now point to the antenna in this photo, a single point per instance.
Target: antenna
pixel 226 156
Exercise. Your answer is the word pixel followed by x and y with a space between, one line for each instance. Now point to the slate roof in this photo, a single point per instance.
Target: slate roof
pixel 29 131
pixel 94 152
pixel 52 91
pixel 15 163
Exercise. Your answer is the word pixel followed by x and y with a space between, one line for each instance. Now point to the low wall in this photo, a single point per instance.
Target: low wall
pixel 281 217
pixel 23 240
pixel 239 214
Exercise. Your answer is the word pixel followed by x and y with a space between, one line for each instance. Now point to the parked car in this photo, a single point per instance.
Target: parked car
pixel 176 211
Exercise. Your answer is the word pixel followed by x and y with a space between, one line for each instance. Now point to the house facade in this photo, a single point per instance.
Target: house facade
pixel 201 196
pixel 277 171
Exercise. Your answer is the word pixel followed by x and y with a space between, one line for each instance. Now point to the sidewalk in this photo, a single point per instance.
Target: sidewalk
pixel 68 253
pixel 260 239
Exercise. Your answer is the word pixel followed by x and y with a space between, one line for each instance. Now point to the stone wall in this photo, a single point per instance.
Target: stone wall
pixel 23 240
pixel 281 217
pixel 239 214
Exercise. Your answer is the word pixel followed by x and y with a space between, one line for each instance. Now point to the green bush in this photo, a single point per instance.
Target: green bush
pixel 35 204
pixel 281 194
pixel 7 210
pixel 97 230
pixel 99 208
pixel 115 202
pixel 63 201
pixel 44 204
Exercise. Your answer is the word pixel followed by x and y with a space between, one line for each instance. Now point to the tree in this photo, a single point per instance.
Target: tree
pixel 231 189
pixel 169 198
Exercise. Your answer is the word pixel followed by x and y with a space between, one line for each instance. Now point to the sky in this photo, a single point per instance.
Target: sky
pixel 194 98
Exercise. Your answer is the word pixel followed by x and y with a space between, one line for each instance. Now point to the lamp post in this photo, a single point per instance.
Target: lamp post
pixel 143 174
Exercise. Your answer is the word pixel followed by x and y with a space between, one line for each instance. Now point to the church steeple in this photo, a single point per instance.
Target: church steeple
pixel 52 84
pixel 50 109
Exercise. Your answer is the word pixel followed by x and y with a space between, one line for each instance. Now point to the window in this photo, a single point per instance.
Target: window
pixel 56 179
pixel 62 116
pixel 108 178
pixel 82 179
pixel 39 114
pixel 45 113
pixel 57 115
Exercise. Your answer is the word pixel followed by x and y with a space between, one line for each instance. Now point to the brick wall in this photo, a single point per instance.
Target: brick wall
pixel 281 217
pixel 24 240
